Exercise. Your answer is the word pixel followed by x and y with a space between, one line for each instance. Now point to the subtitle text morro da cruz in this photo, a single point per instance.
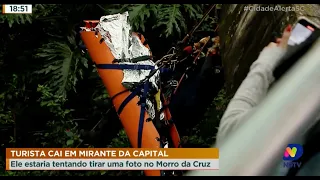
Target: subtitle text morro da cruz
pixel 276 8
pixel 87 153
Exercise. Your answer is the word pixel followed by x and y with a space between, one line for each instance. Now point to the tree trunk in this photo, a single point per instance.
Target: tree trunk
pixel 243 35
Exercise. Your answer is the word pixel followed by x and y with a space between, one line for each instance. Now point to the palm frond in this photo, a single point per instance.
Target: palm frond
pixel 12 19
pixel 194 10
pixel 171 17
pixel 63 64
pixel 139 14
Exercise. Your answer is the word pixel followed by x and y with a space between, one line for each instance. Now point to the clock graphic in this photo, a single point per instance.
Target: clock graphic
pixel 17 9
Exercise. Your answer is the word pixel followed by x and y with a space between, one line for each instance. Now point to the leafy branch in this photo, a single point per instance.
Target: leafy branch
pixel 63 64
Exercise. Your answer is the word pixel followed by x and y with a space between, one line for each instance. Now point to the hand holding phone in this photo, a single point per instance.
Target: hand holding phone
pixel 301 31
pixel 302 37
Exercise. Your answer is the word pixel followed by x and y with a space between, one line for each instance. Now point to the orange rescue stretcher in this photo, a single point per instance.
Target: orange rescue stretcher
pixel 131 113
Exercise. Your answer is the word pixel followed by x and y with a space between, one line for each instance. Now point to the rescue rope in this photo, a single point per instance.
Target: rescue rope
pixel 188 35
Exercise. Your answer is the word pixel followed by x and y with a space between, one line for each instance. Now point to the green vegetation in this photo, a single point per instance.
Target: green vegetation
pixel 50 92
pixel 204 133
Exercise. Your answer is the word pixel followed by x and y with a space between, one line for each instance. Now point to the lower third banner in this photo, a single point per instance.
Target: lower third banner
pixel 112 159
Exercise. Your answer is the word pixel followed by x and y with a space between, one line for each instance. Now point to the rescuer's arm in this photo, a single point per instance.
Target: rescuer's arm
pixel 251 92
pixel 254 87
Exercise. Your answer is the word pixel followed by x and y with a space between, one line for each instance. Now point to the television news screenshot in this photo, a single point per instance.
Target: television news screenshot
pixel 159 89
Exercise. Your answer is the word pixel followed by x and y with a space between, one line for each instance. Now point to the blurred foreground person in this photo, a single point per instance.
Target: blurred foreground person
pixel 254 87
pixel 252 92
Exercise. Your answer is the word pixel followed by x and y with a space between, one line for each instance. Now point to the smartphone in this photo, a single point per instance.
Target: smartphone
pixel 303 35
pixel 302 30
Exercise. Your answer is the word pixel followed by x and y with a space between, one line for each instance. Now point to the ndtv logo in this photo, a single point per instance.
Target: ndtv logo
pixel 291 153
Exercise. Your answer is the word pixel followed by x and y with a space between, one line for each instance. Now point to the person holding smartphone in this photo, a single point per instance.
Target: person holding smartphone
pixel 251 93
pixel 254 87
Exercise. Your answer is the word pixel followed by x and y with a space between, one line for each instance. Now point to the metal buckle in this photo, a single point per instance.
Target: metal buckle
pixel 173 83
